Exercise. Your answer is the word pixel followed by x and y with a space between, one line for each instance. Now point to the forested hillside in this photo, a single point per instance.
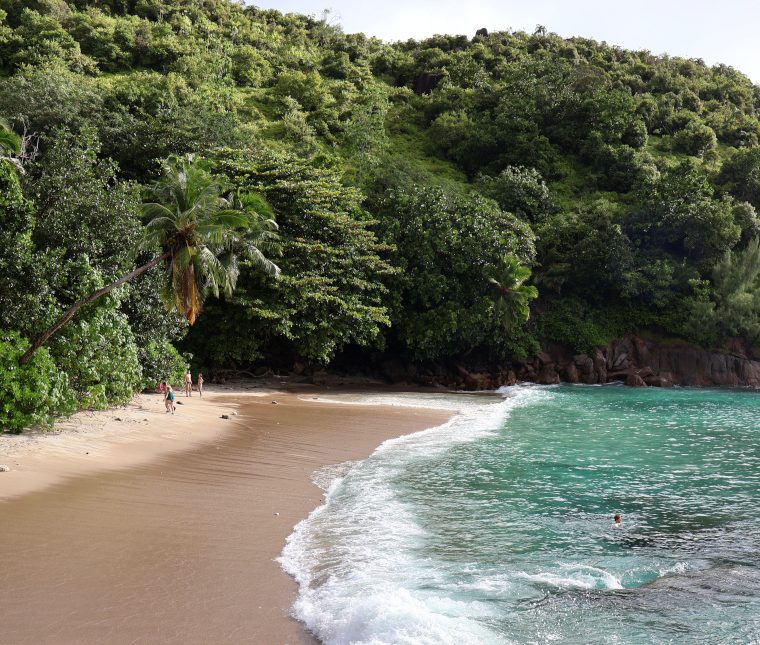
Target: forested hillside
pixel 424 192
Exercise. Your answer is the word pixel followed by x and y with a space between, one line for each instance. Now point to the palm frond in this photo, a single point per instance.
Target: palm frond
pixel 230 219
pixel 512 302
pixel 215 276
pixel 259 261
pixel 256 203
pixel 205 232
pixel 154 210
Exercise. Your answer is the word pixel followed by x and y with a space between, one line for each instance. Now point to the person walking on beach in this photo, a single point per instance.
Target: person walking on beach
pixel 169 399
pixel 200 384
pixel 188 383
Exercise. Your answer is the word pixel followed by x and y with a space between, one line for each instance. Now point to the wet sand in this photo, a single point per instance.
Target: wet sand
pixel 181 549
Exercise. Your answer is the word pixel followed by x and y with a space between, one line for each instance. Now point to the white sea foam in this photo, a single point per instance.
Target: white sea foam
pixel 364 576
pixel 576 576
pixel 329 476
pixel 677 568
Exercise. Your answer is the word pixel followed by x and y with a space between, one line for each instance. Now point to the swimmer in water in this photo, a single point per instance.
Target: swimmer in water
pixel 618 521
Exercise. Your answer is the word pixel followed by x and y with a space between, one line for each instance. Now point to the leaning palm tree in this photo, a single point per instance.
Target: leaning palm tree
pixel 513 296
pixel 201 235
pixel 204 235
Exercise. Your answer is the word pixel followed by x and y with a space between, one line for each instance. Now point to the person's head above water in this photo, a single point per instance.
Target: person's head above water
pixel 617 519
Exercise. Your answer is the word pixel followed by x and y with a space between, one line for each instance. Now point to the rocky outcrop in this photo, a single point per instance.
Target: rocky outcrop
pixel 642 362
pixel 681 364
pixel 634 380
pixel 633 360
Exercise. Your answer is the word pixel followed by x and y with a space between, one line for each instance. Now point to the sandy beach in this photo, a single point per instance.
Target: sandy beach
pixel 132 525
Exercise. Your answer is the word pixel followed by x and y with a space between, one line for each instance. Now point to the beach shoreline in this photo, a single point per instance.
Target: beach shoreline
pixel 90 441
pixel 186 476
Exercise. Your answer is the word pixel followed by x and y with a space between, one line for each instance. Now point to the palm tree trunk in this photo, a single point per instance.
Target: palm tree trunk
pixel 71 311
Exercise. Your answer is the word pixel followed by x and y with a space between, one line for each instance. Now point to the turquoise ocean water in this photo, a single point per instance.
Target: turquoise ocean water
pixel 497 527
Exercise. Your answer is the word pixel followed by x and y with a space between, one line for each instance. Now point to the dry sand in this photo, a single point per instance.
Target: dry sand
pixel 166 532
pixel 90 442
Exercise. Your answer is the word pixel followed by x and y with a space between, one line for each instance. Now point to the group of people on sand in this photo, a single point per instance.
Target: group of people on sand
pixel 168 392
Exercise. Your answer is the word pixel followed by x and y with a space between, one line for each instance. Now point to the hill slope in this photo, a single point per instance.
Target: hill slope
pixel 406 178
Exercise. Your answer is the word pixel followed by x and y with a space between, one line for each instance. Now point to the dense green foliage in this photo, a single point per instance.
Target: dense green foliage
pixel 414 186
pixel 447 248
pixel 33 394
pixel 330 291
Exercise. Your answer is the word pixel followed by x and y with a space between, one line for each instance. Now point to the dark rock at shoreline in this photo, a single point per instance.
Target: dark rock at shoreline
pixel 600 365
pixel 548 375
pixel 645 372
pixel 639 362
pixel 636 361
pixel 632 360
pixel 298 368
pixel 672 363
pixel 585 365
pixel 657 381
pixel 475 380
pixel 394 370
pixel 634 380
pixel 320 377
pixel 569 373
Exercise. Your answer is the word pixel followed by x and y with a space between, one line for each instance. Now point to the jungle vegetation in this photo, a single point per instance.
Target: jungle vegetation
pixel 345 199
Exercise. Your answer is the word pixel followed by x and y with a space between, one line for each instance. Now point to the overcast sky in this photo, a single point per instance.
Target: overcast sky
pixel 718 32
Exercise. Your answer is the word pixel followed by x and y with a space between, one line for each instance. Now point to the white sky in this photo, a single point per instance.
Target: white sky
pixel 718 32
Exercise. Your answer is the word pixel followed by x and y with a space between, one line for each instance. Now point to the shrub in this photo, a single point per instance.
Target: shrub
pixel 695 139
pixel 99 354
pixel 575 324
pixel 519 190
pixel 740 176
pixel 636 135
pixel 33 394
pixel 569 323
pixel 160 361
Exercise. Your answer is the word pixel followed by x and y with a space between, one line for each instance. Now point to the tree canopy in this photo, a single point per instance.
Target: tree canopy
pixel 436 199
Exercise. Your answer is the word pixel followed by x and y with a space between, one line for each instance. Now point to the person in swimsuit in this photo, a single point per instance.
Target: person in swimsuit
pixel 200 384
pixel 188 384
pixel 618 521
pixel 169 399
